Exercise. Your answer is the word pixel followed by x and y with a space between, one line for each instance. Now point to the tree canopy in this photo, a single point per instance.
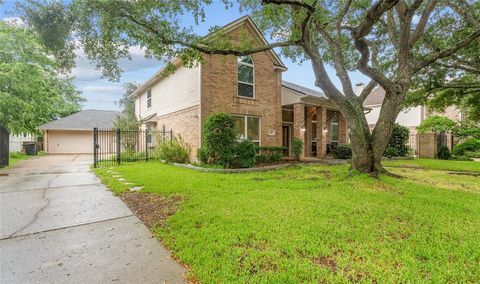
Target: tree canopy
pixel 31 92
pixel 398 44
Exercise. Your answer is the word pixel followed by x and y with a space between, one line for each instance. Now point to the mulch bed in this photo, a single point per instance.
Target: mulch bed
pixel 152 209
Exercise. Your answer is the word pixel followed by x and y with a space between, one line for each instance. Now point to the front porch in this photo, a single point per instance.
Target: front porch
pixel 320 127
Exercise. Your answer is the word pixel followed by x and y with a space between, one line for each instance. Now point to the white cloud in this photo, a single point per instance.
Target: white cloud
pixel 110 90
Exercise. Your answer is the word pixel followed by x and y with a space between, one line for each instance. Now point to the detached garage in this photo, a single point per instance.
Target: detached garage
pixel 73 134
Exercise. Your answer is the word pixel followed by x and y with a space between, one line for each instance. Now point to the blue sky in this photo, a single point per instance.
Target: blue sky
pixel 103 94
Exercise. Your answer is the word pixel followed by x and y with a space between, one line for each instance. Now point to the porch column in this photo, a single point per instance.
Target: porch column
pixel 321 135
pixel 342 129
pixel 298 122
pixel 308 131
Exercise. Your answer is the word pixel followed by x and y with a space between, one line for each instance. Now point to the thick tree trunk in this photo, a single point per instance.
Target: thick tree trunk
pixel 368 147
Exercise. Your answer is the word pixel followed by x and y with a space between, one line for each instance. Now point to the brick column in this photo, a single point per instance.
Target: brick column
pixel 321 135
pixel 298 122
pixel 342 129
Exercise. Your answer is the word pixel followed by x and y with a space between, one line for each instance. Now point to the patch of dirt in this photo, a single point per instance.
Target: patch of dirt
pixel 152 209
pixel 326 261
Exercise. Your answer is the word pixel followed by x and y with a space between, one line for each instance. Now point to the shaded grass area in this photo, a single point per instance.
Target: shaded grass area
pixel 14 158
pixel 313 224
pixel 433 164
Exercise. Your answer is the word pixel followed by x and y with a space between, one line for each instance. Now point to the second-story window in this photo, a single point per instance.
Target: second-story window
pixel 149 98
pixel 245 77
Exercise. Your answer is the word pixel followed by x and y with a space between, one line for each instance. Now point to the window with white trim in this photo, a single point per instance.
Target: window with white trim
pixel 149 98
pixel 245 77
pixel 247 127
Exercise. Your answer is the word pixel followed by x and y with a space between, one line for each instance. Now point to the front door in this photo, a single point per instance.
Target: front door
pixel 286 139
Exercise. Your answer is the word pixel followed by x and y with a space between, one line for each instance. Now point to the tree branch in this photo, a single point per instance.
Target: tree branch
pixel 447 52
pixel 303 4
pixel 204 48
pixel 367 90
pixel 422 23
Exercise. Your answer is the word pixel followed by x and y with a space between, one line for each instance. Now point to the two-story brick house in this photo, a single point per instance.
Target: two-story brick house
pixel 266 110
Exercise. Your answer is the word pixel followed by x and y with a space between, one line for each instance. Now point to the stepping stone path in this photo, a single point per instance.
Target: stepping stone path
pixel 136 188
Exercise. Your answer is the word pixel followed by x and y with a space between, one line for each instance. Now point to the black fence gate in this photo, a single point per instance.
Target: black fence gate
pixel 4 146
pixel 115 146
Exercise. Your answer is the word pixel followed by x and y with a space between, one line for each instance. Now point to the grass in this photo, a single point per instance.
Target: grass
pixel 432 164
pixel 311 224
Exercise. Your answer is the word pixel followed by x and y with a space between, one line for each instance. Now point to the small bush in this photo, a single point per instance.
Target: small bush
pixel 343 151
pixel 270 154
pixel 468 148
pixel 175 151
pixel 220 139
pixel 297 148
pixel 246 152
pixel 391 152
pixel 444 153
pixel 461 158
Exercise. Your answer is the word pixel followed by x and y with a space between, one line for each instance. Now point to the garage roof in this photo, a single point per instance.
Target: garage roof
pixel 83 120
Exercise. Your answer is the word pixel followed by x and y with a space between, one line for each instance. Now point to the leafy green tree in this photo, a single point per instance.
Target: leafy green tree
pixel 31 92
pixel 436 123
pixel 127 120
pixel 394 42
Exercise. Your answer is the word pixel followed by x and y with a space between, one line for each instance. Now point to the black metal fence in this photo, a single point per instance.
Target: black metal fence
pixel 115 146
pixel 4 146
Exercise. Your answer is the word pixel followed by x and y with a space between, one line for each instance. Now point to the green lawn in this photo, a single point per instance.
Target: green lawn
pixel 15 157
pixel 315 224
pixel 432 164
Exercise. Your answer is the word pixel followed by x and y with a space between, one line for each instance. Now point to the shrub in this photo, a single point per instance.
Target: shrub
pixel 270 154
pixel 219 139
pixel 246 152
pixel 444 153
pixel 468 148
pixel 297 147
pixel 391 152
pixel 399 141
pixel 343 151
pixel 175 151
pixel 461 158
pixel 202 155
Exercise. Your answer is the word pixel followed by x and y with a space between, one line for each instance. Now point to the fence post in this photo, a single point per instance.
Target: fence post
pixel 4 146
pixel 118 146
pixel 146 145
pixel 171 135
pixel 95 148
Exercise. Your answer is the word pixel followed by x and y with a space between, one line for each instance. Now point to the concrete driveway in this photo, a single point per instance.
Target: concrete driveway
pixel 59 224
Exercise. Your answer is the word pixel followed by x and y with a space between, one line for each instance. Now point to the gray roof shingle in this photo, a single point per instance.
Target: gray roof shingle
pixel 376 97
pixel 303 90
pixel 85 119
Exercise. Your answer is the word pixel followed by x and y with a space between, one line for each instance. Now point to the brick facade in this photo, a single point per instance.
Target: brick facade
pixel 219 93
pixel 186 124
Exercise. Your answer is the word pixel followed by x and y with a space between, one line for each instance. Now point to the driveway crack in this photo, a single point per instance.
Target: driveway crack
pixel 35 217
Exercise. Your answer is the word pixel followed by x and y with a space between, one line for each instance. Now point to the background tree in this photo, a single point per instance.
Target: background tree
pixel 127 120
pixel 393 42
pixel 31 92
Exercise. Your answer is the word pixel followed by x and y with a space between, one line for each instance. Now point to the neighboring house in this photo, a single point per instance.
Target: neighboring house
pixel 73 134
pixel 266 110
pixel 409 117
pixel 16 141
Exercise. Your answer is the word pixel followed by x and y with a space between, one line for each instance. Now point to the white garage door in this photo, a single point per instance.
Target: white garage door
pixel 70 142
